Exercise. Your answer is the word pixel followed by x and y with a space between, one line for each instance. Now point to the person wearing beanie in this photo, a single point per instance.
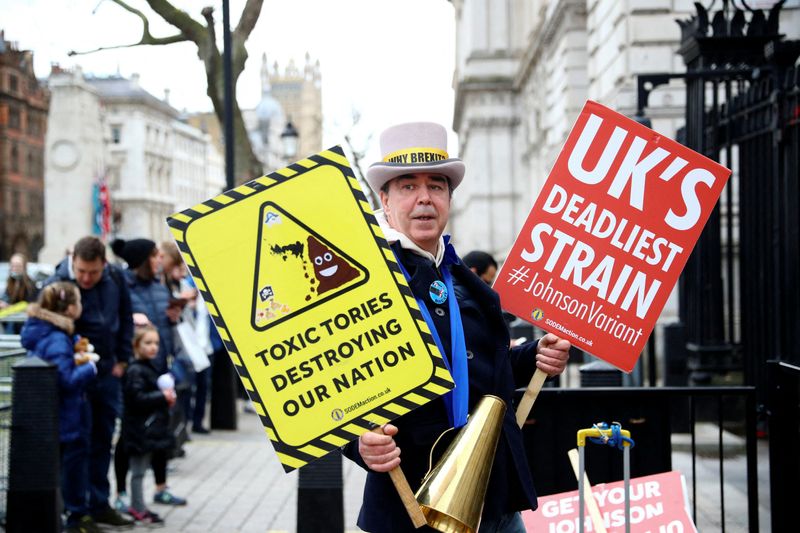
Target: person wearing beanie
pixel 415 182
pixel 135 251
pixel 151 302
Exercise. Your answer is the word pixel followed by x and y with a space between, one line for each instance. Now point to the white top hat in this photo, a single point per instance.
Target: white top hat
pixel 414 147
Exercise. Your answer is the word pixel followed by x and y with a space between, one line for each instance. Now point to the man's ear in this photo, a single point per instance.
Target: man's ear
pixel 384 201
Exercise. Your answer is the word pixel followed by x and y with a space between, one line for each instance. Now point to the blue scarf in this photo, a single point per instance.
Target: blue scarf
pixel 457 400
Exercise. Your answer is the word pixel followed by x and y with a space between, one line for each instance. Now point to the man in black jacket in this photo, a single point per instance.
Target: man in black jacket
pixel 108 324
pixel 415 182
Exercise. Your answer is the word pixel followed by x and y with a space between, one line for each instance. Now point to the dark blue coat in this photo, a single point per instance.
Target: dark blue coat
pixel 152 298
pixel 42 338
pixel 493 369
pixel 106 319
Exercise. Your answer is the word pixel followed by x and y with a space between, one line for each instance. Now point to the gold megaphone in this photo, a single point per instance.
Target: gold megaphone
pixel 451 495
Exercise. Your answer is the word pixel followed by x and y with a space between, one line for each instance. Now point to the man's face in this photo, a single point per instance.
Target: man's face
pixel 418 205
pixel 489 274
pixel 87 273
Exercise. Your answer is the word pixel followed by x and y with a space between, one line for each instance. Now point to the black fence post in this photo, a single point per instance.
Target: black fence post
pixel 223 392
pixel 320 504
pixel 784 463
pixel 600 374
pixel 675 355
pixel 33 477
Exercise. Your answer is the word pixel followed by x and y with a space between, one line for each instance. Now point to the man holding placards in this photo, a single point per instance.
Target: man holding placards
pixel 415 182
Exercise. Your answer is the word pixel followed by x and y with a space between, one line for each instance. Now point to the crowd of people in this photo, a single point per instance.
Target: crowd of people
pixel 120 338
pixel 144 360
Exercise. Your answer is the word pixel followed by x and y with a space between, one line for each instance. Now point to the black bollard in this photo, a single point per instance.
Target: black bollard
pixel 600 374
pixel 33 471
pixel 320 506
pixel 223 392
pixel 676 373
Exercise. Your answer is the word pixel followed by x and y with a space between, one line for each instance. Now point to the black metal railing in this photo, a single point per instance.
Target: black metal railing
pixel 693 424
pixel 738 291
pixel 10 354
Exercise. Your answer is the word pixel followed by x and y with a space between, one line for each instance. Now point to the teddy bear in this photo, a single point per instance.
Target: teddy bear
pixel 84 351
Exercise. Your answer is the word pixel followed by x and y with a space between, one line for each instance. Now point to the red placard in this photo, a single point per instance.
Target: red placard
pixel 609 234
pixel 658 505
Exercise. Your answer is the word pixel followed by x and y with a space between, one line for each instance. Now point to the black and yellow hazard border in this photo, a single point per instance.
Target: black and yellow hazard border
pixel 440 382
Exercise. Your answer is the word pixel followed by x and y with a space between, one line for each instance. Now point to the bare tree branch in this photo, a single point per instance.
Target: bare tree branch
pixel 358 156
pixel 210 55
pixel 204 37
pixel 250 14
pixel 178 18
pixel 154 41
pixel 146 39
pixel 247 21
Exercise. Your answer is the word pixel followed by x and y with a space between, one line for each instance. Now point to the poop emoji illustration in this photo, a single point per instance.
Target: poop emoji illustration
pixel 296 269
pixel 330 270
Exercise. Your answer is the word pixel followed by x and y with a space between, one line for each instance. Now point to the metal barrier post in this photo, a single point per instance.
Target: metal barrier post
pixel 320 504
pixel 784 463
pixel 33 478
pixel 223 392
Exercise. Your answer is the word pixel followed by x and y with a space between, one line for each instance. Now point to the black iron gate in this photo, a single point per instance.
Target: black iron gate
pixel 739 293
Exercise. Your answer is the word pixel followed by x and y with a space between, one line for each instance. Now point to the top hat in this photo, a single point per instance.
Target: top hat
pixel 414 147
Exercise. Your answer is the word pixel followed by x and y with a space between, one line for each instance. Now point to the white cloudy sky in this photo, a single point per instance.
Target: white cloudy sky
pixel 392 60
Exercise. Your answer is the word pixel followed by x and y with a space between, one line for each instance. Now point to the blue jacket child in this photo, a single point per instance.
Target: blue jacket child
pixel 48 334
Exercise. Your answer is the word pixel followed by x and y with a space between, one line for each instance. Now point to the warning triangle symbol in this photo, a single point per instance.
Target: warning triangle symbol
pixel 296 269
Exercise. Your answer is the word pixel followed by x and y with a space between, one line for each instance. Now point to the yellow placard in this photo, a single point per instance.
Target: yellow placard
pixel 311 305
pixel 12 309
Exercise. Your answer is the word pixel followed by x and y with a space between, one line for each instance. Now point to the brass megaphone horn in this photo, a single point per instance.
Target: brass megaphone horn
pixel 452 494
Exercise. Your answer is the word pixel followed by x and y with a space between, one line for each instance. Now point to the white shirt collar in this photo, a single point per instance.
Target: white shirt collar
pixel 392 235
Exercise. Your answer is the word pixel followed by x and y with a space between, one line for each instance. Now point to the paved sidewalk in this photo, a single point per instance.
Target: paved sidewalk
pixel 235 484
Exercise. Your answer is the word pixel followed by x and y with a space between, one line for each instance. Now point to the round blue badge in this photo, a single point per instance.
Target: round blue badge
pixel 438 292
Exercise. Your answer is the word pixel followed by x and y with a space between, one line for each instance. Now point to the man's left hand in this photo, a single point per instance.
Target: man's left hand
pixel 552 354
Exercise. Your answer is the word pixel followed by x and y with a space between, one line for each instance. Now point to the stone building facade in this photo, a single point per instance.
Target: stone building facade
pixel 141 140
pixel 154 163
pixel 286 95
pixel 23 123
pixel 300 94
pixel 76 158
pixel 524 69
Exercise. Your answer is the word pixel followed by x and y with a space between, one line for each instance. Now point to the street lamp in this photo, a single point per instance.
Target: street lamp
pixel 289 139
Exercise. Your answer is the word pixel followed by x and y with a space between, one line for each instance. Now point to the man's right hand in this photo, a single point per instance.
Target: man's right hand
pixel 379 451
pixel 140 319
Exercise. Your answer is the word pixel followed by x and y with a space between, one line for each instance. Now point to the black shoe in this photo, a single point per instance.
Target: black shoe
pixel 84 525
pixel 111 517
pixel 200 430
